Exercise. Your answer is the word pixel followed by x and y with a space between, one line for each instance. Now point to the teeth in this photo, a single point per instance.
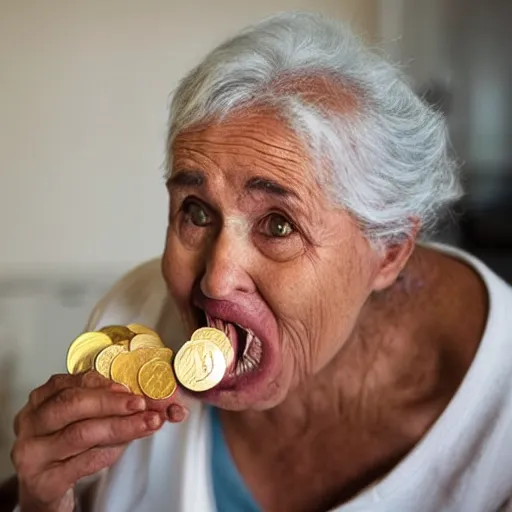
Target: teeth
pixel 248 341
pixel 253 349
pixel 251 357
pixel 256 348
pixel 244 366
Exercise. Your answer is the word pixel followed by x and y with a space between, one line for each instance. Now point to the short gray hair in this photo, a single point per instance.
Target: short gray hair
pixel 389 161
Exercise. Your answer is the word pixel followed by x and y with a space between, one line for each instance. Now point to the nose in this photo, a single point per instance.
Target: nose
pixel 226 270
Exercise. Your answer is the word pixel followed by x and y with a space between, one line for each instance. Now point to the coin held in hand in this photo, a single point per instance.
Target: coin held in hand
pixel 118 353
pixel 156 379
pixel 83 351
pixel 136 357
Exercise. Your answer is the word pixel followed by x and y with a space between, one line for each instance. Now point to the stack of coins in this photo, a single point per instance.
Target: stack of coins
pixel 132 355
pixel 136 357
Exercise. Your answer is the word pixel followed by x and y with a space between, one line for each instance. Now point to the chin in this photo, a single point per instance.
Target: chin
pixel 254 378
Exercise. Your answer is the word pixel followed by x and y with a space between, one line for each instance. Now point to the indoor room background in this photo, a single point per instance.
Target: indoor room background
pixel 84 95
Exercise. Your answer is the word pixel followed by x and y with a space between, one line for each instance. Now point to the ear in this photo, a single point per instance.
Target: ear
pixel 393 260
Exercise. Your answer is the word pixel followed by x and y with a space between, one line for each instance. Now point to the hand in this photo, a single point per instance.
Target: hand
pixel 74 426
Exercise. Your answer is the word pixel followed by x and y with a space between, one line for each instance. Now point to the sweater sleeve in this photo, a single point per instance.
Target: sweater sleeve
pixel 137 297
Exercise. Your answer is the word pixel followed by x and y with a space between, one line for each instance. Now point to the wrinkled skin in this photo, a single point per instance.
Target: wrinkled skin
pixel 308 282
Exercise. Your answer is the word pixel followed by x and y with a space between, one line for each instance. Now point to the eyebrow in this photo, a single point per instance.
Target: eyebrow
pixel 270 187
pixel 197 179
pixel 187 179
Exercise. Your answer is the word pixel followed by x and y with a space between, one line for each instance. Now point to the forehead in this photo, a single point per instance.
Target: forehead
pixel 253 142
pixel 262 126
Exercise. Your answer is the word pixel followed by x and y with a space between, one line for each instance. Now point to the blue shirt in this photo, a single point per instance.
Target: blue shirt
pixel 230 491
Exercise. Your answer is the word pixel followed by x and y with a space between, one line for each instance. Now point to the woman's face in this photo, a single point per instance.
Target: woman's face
pixel 253 241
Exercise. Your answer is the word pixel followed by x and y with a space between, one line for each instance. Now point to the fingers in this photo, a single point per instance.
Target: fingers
pixel 59 382
pixel 35 455
pixel 177 413
pixel 23 422
pixel 66 399
pixel 173 409
pixel 75 404
pixel 19 419
pixel 179 409
pixel 73 426
pixel 84 435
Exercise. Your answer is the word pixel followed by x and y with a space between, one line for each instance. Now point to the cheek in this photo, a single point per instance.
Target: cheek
pixel 179 268
pixel 317 304
pixel 311 322
pixel 298 294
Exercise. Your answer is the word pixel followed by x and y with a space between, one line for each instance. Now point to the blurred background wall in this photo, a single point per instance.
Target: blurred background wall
pixel 85 87
pixel 457 53
pixel 84 91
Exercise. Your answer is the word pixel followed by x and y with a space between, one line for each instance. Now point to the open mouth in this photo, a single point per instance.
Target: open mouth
pixel 247 347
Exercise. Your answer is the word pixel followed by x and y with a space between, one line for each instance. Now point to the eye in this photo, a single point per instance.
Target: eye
pixel 278 226
pixel 196 213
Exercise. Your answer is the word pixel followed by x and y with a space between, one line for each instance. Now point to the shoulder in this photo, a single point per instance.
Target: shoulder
pixel 137 296
pixel 497 294
pixel 497 287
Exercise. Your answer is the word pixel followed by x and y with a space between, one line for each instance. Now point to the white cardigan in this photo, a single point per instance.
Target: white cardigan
pixel 463 464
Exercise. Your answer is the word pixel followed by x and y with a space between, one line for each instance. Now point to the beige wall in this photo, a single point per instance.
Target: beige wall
pixel 84 91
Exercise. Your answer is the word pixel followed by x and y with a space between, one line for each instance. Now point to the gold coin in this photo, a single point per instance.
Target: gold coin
pixel 84 349
pixel 146 354
pixel 124 370
pixel 219 338
pixel 199 365
pixel 141 329
pixel 145 341
pixel 118 333
pixel 125 344
pixel 156 379
pixel 126 365
pixel 104 359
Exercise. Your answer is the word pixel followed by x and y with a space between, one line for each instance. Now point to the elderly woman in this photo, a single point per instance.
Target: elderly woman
pixel 372 372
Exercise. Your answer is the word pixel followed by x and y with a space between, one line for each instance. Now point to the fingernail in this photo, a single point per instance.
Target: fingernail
pixel 177 413
pixel 137 404
pixel 152 420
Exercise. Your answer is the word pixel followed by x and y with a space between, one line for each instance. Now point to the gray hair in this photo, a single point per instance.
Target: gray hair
pixel 389 163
